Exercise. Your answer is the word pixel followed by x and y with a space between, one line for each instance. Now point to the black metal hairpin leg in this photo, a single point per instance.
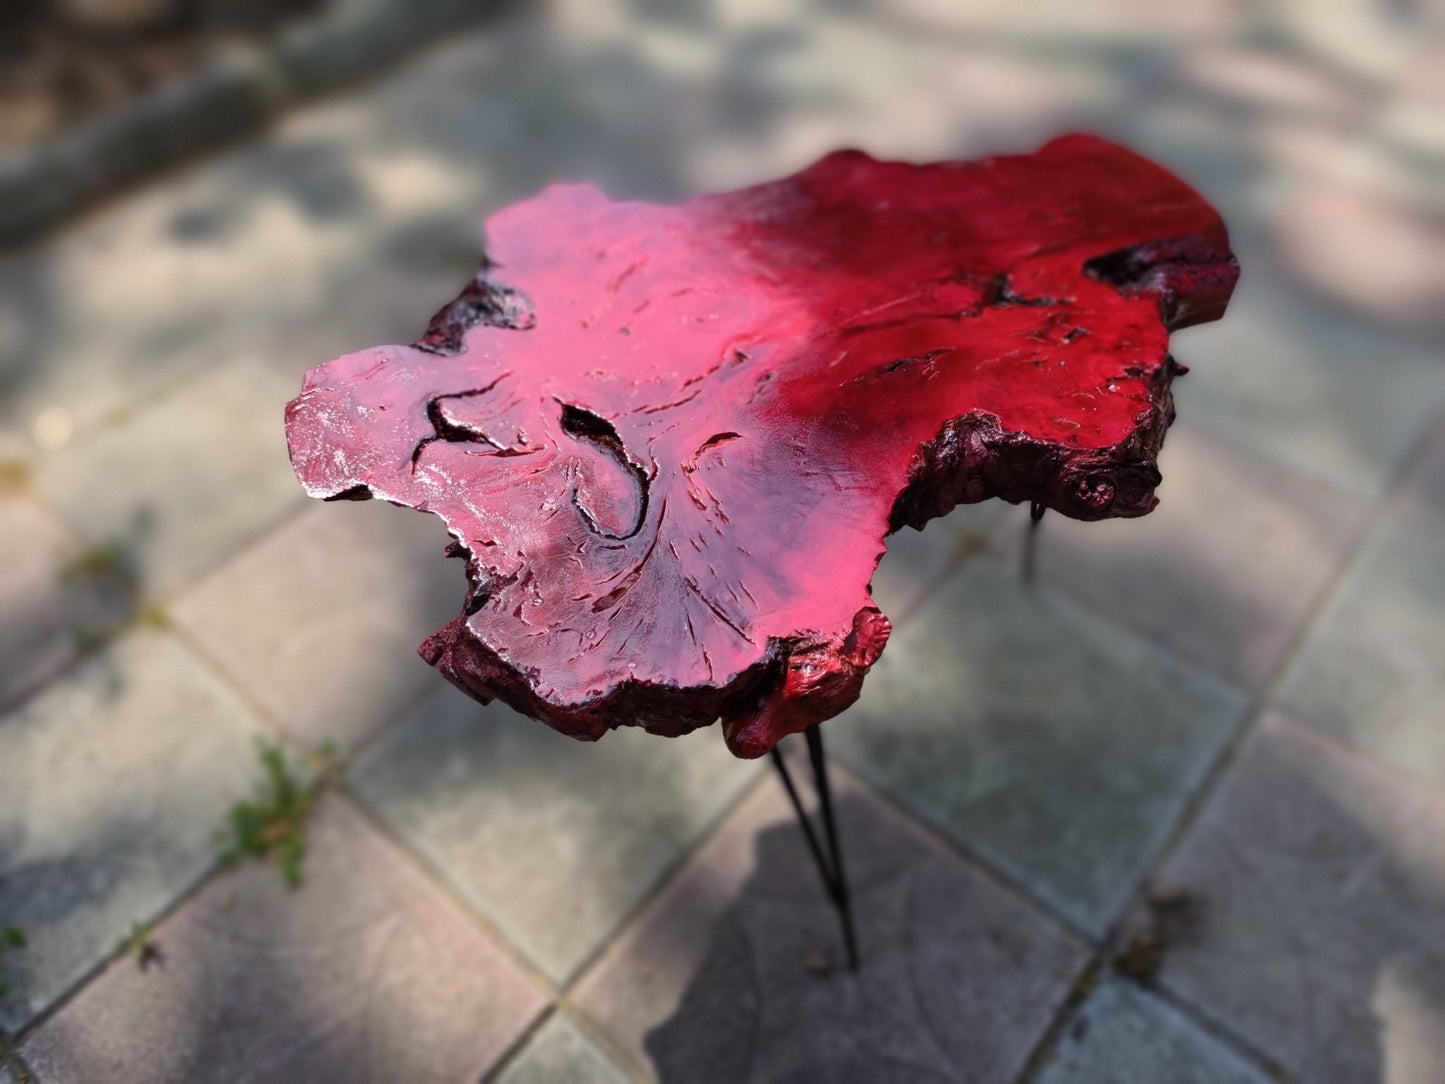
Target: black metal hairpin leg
pixel 1031 540
pixel 830 865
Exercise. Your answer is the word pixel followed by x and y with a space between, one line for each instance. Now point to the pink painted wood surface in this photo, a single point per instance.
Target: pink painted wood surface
pixel 669 441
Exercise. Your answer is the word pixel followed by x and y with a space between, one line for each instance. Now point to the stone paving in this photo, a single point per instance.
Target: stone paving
pixel 1229 708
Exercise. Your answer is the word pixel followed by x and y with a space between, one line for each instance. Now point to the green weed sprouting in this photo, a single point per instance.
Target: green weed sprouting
pixel 272 826
pixel 104 560
pixel 139 945
pixel 11 938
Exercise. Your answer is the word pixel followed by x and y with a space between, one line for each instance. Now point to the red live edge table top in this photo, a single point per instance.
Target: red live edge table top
pixel 669 441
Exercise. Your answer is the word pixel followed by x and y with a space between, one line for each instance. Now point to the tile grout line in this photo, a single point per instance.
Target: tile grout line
pixel 1196 801
pixel 519 1044
pixel 1102 949
pixel 1094 961
pixel 634 917
pixel 559 996
pixel 344 760
pixel 555 997
pixel 1221 1033
pixel 1094 972
pixel 664 880
pixel 557 1009
pixel 1380 510
pixel 113 956
pixel 1262 699
pixel 605 1044
pixel 433 874
pixel 1001 878
pixel 556 990
pixel 10 1059
pixel 1260 704
pixel 583 1020
pixel 128 627
pixel 222 676
pixel 187 892
pixel 1105 950
pixel 214 869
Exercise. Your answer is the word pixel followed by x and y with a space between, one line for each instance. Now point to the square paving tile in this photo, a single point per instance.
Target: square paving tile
pixel 184 483
pixel 558 1053
pixel 1372 671
pixel 1319 880
pixel 112 782
pixel 1228 567
pixel 45 609
pixel 368 972
pixel 165 285
pixel 553 839
pixel 1057 746
pixel 1422 499
pixel 917 562
pixel 1326 394
pixel 735 971
pixel 1122 1035
pixel 321 619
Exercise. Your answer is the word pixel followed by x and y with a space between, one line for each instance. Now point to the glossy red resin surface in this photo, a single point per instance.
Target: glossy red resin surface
pixel 669 441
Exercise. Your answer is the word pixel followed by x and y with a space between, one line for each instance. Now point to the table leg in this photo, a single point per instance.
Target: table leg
pixel 830 864
pixel 1031 541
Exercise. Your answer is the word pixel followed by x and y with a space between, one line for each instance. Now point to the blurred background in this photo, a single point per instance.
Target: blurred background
pixel 1173 811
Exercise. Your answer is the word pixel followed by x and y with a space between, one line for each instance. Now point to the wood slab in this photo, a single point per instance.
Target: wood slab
pixel 669 441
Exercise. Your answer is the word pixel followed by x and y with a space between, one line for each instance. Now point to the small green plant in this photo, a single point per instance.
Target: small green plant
pixel 272 826
pixel 138 944
pixel 152 615
pixel 105 560
pixel 11 938
pixel 147 615
pixel 88 639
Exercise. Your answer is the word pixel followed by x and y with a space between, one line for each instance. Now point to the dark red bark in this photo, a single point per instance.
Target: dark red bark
pixel 669 441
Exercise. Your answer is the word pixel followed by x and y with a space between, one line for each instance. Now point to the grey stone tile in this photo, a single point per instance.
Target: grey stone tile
pixel 1318 883
pixel 1370 672
pixel 1187 133
pixel 233 259
pixel 46 606
pixel 1307 385
pixel 1126 20
pixel 1369 247
pixel 917 562
pixel 184 483
pixel 1057 746
pixel 321 619
pixel 1422 497
pixel 1411 122
pixel 367 972
pixel 1123 1035
pixel 553 839
pixel 1363 39
pixel 112 782
pixel 735 971
pixel 561 1052
pixel 1225 571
